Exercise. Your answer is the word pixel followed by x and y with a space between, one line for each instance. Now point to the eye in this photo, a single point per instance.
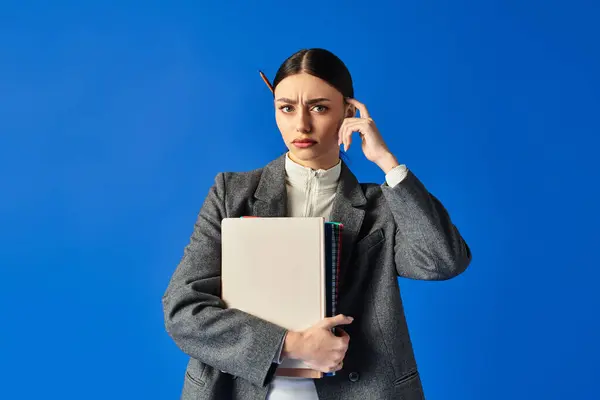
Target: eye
pixel 282 108
pixel 322 108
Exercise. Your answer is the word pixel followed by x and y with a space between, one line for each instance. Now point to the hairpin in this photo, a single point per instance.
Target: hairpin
pixel 264 77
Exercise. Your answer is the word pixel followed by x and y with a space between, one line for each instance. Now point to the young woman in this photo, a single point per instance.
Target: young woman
pixel 392 229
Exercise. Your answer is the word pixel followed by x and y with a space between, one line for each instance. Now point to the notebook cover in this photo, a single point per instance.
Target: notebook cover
pixel 274 268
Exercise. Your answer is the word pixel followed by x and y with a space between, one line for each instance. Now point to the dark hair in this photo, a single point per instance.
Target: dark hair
pixel 320 63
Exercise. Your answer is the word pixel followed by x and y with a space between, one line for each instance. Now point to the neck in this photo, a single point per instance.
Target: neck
pixel 324 162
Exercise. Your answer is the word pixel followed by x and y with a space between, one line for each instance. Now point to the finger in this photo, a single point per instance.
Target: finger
pixel 355 123
pixel 341 333
pixel 349 129
pixel 350 120
pixel 364 113
pixel 358 128
pixel 339 319
pixel 335 367
pixel 341 130
pixel 342 127
pixel 342 137
pixel 360 125
pixel 349 133
pixel 344 338
pixel 348 137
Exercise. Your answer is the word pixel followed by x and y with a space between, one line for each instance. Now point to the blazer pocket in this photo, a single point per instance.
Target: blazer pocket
pixel 409 387
pixel 193 380
pixel 406 378
pixel 195 373
pixel 364 245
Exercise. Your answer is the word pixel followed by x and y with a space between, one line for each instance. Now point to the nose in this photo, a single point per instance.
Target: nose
pixel 303 124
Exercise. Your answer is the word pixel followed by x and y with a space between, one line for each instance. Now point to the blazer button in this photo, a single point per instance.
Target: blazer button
pixel 353 376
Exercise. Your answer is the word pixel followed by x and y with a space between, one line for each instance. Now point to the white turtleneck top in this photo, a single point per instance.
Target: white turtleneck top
pixel 310 193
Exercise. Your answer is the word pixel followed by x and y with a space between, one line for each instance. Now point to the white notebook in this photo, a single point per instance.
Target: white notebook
pixel 274 268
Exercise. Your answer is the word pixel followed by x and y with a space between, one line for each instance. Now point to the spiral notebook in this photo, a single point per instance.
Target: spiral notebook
pixel 284 270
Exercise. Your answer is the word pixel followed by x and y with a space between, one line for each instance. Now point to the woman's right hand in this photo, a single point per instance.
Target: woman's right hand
pixel 317 346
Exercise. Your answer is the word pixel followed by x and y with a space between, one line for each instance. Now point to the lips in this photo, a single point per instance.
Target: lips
pixel 304 143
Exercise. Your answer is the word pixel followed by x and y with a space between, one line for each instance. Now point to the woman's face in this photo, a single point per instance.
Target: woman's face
pixel 309 113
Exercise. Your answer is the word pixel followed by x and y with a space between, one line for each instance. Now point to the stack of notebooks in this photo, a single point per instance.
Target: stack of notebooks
pixel 284 270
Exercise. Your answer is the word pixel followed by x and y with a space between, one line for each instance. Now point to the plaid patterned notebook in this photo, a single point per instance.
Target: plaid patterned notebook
pixel 333 248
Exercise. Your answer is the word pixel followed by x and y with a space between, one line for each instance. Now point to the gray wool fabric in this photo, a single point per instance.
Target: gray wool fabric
pixel 388 232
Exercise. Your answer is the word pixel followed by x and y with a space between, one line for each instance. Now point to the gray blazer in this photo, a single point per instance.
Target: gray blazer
pixel 388 232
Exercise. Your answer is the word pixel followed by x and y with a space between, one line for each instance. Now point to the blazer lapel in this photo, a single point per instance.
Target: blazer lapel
pixel 271 195
pixel 348 209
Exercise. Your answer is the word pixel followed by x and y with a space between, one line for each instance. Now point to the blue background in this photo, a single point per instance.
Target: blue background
pixel 115 120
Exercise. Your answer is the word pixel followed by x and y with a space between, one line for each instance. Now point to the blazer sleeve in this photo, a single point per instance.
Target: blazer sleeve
pixel 427 245
pixel 196 317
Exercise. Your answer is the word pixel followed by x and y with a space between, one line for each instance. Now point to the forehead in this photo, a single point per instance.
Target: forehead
pixel 304 84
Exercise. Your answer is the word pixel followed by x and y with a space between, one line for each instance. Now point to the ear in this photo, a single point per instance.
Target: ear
pixel 350 111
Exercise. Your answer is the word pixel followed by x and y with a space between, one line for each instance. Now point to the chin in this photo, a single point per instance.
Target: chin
pixel 306 154
pixel 311 153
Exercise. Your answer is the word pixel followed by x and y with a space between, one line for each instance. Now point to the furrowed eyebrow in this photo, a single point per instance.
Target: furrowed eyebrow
pixel 309 102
